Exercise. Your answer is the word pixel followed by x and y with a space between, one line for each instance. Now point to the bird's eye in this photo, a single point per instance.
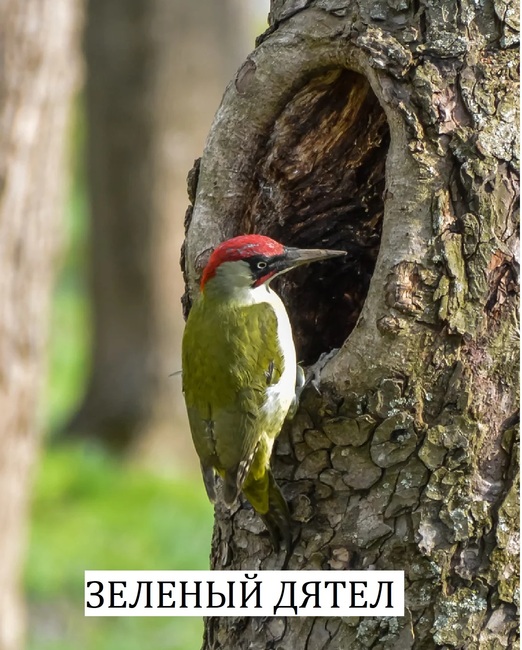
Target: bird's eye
pixel 261 265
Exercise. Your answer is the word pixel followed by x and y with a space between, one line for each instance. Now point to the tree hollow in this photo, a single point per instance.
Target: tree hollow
pixel 320 183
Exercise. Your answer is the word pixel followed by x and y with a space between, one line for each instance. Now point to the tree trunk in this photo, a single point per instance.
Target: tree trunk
pixel 38 50
pixel 387 129
pixel 151 91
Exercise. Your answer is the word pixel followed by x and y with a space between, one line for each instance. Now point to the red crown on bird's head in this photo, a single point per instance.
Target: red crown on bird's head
pixel 240 248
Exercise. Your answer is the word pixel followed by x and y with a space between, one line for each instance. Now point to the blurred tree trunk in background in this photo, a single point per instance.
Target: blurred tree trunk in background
pixel 407 458
pixel 38 75
pixel 155 74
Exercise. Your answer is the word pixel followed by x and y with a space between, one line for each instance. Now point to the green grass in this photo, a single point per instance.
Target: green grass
pixel 91 512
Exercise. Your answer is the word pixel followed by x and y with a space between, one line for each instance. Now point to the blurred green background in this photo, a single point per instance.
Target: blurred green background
pixel 91 510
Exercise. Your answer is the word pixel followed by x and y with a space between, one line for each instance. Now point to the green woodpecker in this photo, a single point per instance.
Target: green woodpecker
pixel 239 372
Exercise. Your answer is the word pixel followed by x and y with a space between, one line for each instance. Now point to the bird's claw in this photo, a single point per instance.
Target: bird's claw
pixel 312 377
pixel 313 374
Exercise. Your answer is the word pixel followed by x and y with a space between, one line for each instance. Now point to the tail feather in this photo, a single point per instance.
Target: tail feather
pixel 231 488
pixel 234 478
pixel 209 479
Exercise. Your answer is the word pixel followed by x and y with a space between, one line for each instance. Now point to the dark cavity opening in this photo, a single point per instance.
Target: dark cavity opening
pixel 320 184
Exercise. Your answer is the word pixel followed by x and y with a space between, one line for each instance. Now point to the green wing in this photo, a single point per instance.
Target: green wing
pixel 230 357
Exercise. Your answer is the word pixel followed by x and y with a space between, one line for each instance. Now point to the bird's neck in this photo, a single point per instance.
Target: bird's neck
pixel 237 296
pixel 232 284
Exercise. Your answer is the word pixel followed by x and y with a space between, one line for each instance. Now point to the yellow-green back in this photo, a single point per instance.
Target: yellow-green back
pixel 231 355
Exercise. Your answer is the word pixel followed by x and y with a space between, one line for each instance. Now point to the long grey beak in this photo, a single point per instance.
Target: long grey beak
pixel 298 256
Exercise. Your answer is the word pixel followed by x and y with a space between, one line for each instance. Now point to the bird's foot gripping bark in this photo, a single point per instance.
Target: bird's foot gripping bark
pixel 311 377
pixel 313 373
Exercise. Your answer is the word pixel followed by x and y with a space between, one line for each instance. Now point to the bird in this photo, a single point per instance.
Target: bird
pixel 240 378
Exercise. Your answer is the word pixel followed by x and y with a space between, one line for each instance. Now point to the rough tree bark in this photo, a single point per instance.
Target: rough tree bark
pixel 150 91
pixel 387 128
pixel 39 72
